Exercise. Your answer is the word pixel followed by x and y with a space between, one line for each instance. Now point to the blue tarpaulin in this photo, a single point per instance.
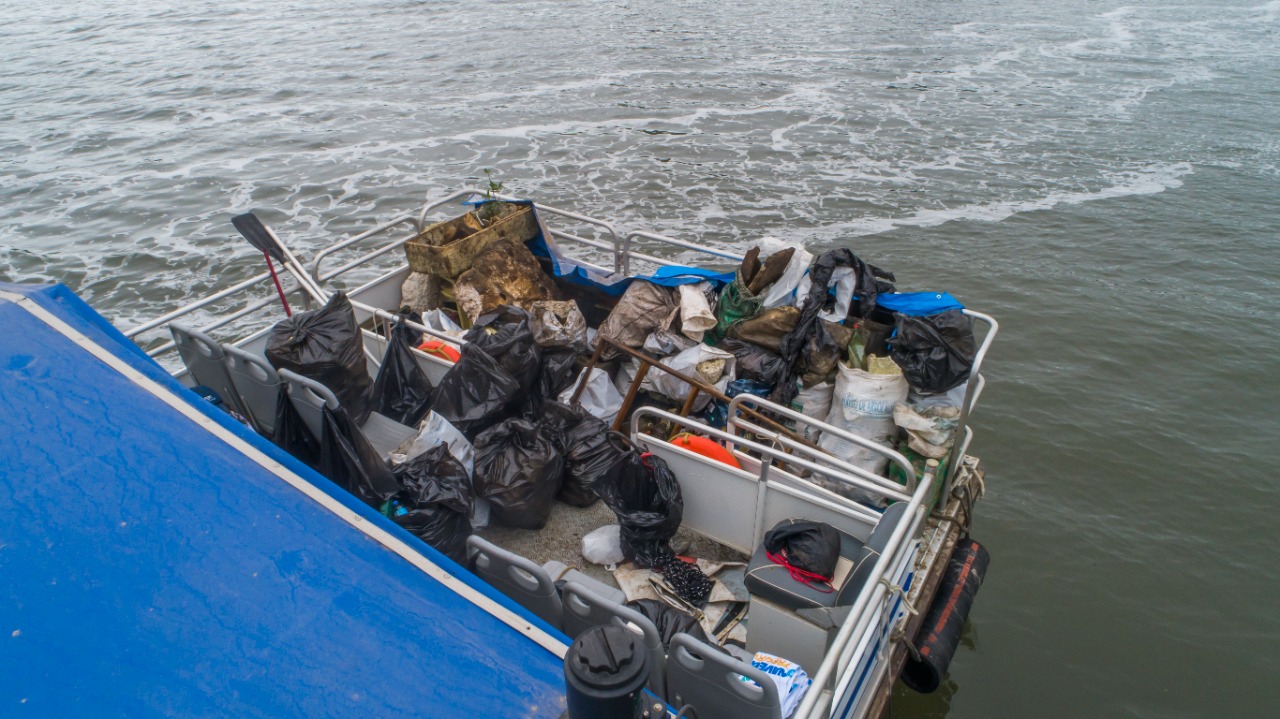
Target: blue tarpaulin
pixel 159 560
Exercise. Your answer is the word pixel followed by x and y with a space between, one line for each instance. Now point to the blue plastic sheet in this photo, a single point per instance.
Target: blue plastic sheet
pixel 153 569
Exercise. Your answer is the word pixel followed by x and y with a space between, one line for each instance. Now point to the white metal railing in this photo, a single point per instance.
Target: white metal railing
pixel 768 454
pixel 818 701
pixel 891 489
pixel 973 389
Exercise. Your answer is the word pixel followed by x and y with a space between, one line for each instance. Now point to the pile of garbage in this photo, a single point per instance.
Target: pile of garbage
pixel 526 423
pixel 491 442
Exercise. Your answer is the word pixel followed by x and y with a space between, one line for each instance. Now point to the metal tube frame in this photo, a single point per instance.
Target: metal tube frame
pixel 860 616
pixel 639 234
pixel 770 452
pixel 971 393
pixel 762 404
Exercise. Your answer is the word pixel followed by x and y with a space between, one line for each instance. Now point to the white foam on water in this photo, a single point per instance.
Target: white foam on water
pixel 1148 181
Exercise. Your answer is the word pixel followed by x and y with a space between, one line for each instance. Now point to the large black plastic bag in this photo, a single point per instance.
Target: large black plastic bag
pixel 754 362
pixel 668 620
pixel 474 392
pixel 518 470
pixel 592 450
pixel 813 547
pixel 402 391
pixel 325 345
pixel 507 335
pixel 436 489
pixel 644 494
pixel 291 434
pixel 557 372
pixel 935 352
pixel 348 459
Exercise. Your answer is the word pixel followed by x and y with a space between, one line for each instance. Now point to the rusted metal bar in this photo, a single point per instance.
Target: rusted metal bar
pixel 632 391
pixel 698 384
pixel 586 373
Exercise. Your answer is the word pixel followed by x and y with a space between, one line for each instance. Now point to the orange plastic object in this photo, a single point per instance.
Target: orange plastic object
pixel 444 351
pixel 706 447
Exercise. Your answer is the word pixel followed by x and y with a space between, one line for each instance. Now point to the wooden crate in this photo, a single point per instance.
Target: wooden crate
pixel 447 249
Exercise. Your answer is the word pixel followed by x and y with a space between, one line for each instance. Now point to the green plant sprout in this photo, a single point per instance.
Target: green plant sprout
pixel 493 207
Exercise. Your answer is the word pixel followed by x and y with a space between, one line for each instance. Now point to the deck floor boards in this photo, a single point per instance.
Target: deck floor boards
pixel 561 539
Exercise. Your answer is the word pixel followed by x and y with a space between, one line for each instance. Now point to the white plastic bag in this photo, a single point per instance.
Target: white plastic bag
pixel 813 402
pixel 695 311
pixel 603 546
pixel 432 430
pixel 439 321
pixel 863 403
pixel 953 397
pixel 665 342
pixel 599 398
pixel 783 290
pixel 844 281
pixel 930 430
pixel 687 363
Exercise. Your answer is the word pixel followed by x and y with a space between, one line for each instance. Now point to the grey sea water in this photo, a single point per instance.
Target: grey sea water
pixel 1101 176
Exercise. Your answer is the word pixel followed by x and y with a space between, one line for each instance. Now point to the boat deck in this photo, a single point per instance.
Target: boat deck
pixel 561 540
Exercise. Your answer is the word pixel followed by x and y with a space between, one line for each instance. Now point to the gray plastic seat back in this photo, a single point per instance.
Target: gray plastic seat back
pixel 258 385
pixel 518 578
pixel 584 609
pixel 710 681
pixel 204 360
pixel 309 397
pixel 870 553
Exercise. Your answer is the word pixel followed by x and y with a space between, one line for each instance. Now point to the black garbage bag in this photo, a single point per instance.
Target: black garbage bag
pixel 402 391
pixel 871 281
pixel 557 372
pixel 820 354
pixel 325 345
pixel 754 362
pixel 668 620
pixel 291 434
pixel 507 335
pixel 935 352
pixel 592 451
pixel 812 547
pixel 474 393
pixel 645 496
pixel 555 420
pixel 518 470
pixel 436 490
pixel 348 459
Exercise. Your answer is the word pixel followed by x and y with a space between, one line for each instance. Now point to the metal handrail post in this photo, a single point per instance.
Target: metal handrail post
pixel 971 392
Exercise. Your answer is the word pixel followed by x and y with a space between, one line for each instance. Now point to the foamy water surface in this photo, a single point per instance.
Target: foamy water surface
pixel 1100 176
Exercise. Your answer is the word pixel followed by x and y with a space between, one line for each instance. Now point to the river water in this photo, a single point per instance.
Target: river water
pixel 1102 177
